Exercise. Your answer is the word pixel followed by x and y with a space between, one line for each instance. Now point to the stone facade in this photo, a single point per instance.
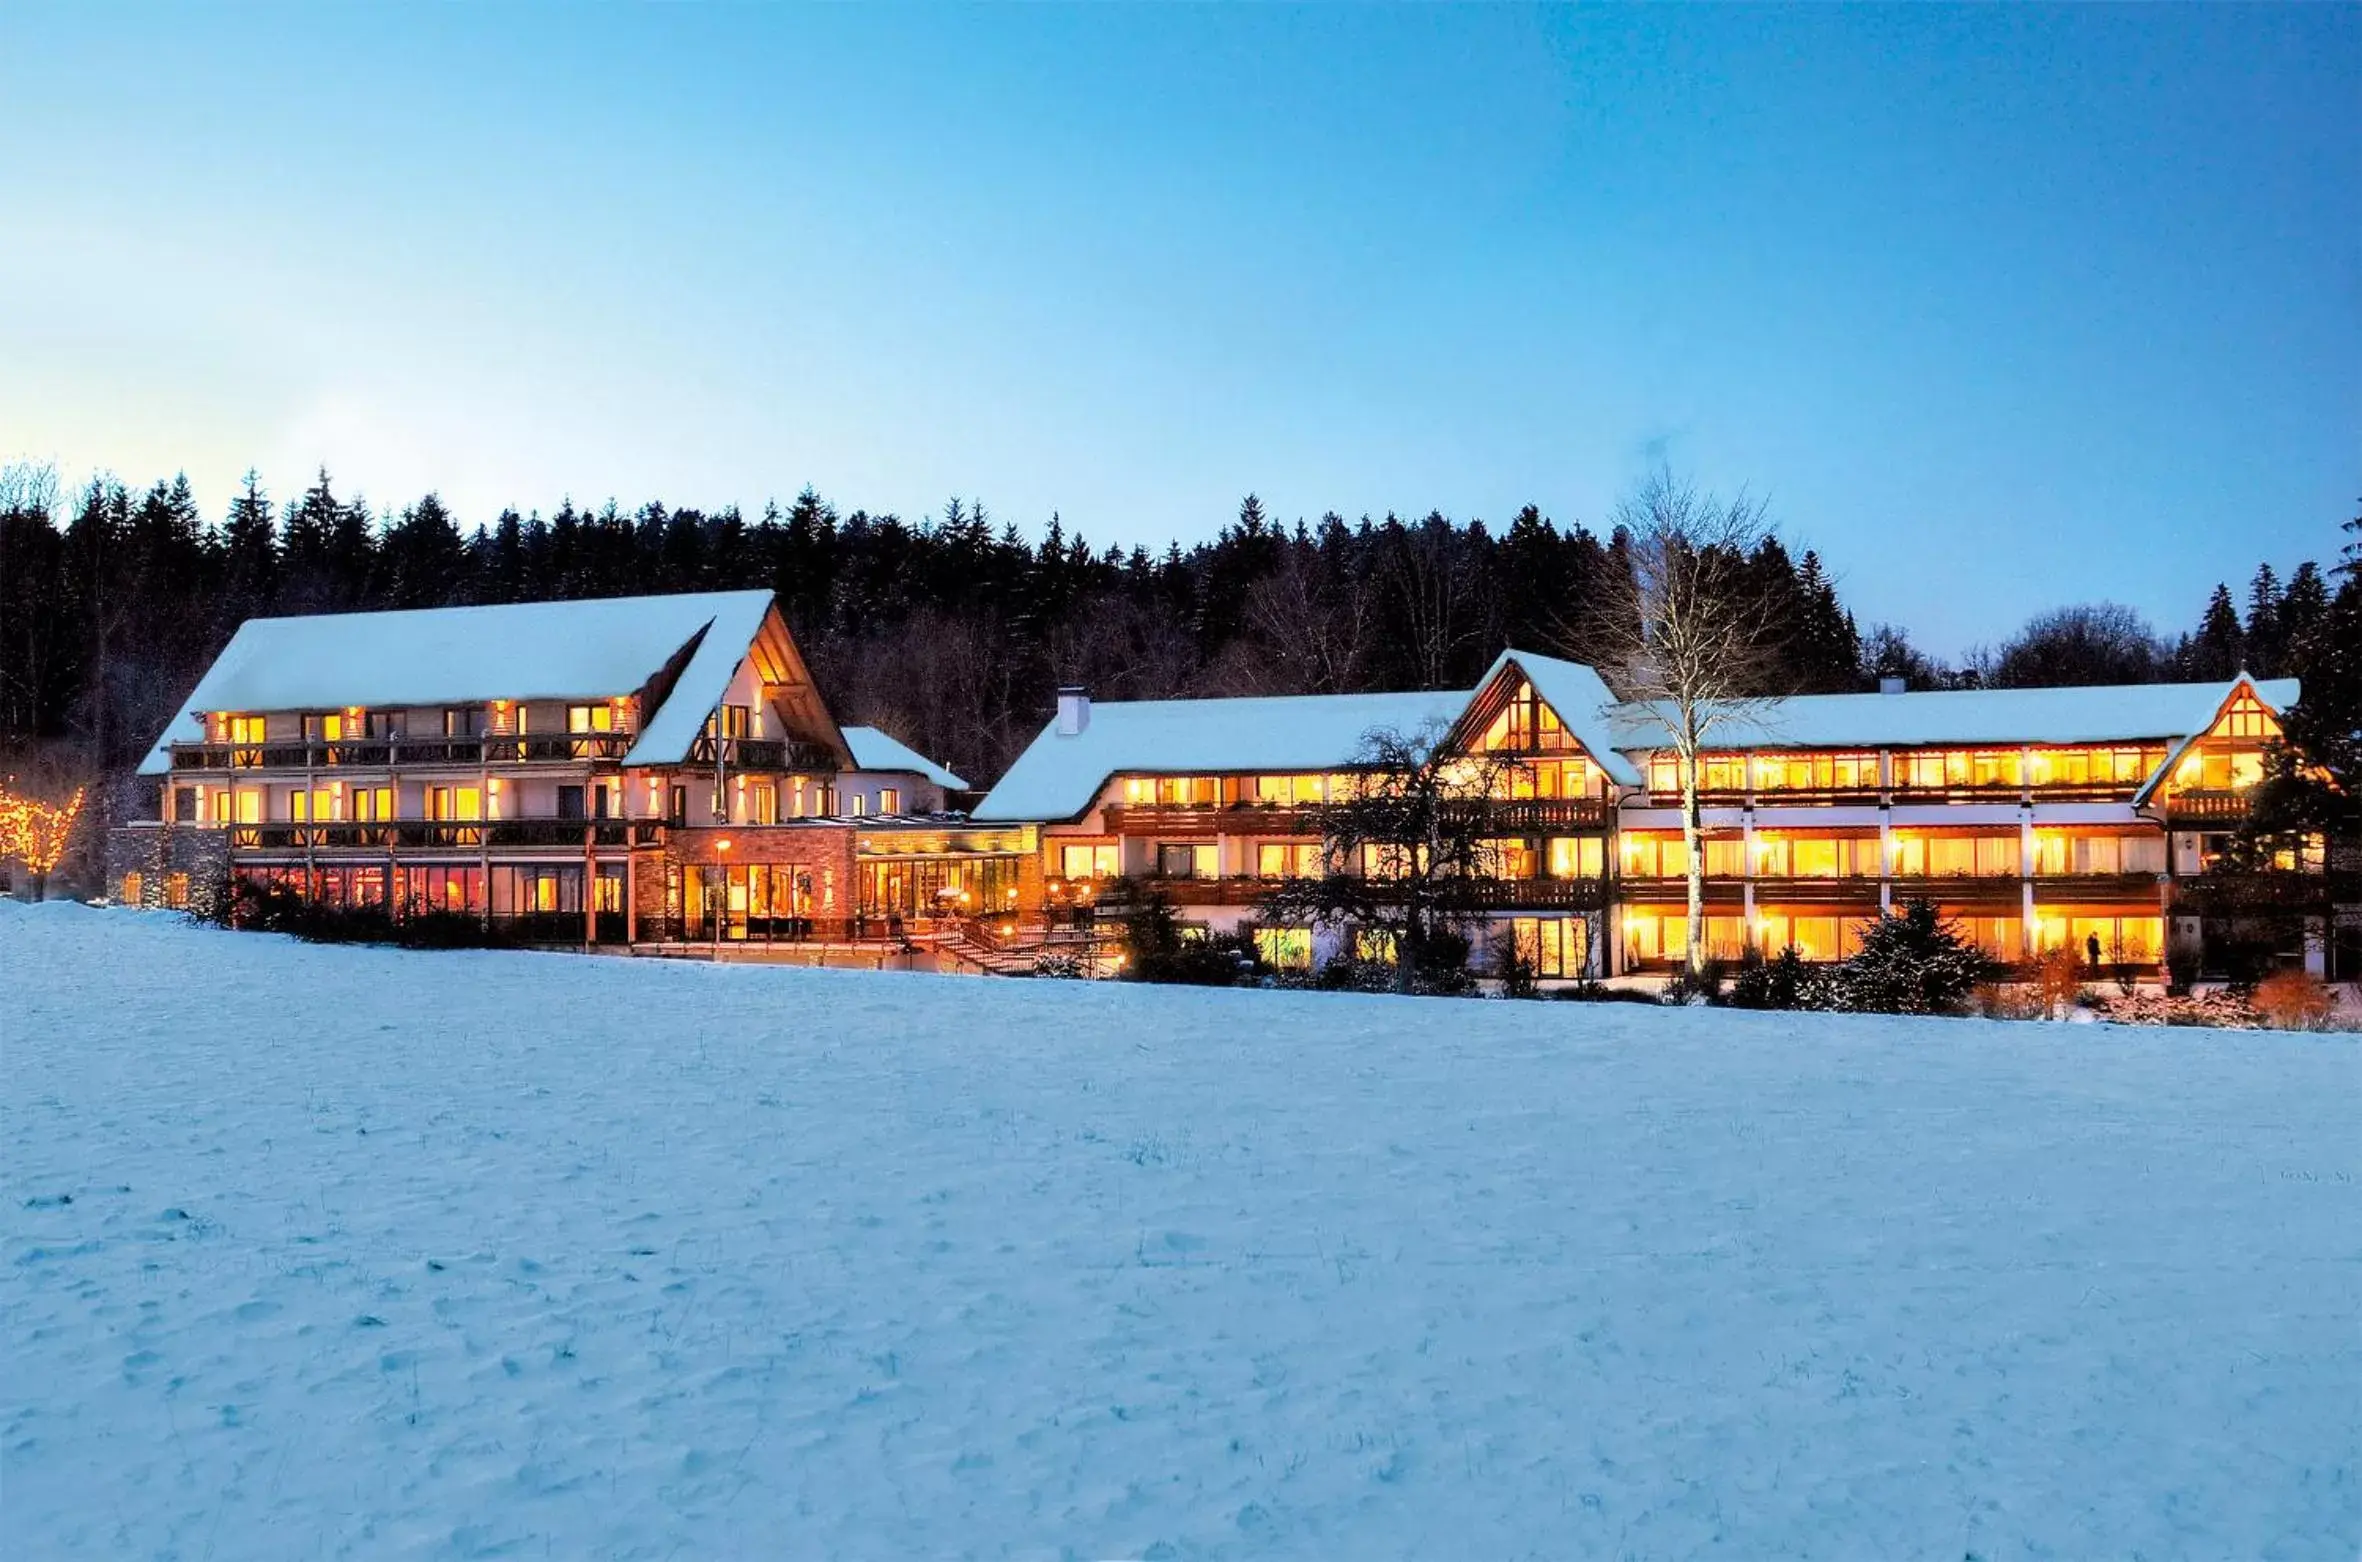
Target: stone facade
pixel 184 867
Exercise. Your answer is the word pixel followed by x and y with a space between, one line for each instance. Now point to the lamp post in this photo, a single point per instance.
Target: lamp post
pixel 719 896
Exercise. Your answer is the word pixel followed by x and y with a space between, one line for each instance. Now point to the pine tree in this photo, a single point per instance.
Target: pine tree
pixel 250 553
pixel 2263 622
pixel 2219 649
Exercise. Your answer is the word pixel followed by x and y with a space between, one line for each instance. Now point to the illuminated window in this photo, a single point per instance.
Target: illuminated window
pixel 246 729
pixel 1525 725
pixel 1816 772
pixel 1288 860
pixel 762 803
pixel 1284 948
pixel 590 718
pixel 889 802
pixel 176 891
pixel 1553 946
pixel 1577 856
pixel 1089 862
pixel 454 803
pixel 1505 859
pixel 134 886
pixel 1654 856
pixel 1177 861
pixel 250 806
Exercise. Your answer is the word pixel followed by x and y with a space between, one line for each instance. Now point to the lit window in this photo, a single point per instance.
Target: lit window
pixel 889 800
pixel 1285 948
pixel 1088 861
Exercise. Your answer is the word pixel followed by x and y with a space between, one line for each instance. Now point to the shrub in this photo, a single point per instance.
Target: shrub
pixel 2293 1000
pixel 1777 983
pixel 2058 981
pixel 1514 970
pixel 1345 974
pixel 2181 966
pixel 1908 962
pixel 1703 985
pixel 1057 964
pixel 1157 949
pixel 268 908
pixel 2006 1001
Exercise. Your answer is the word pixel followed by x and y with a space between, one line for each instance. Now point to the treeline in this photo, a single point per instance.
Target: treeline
pixel 952 631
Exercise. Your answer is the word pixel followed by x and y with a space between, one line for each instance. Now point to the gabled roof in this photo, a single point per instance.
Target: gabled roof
pixel 874 750
pixel 593 649
pixel 1581 699
pixel 2261 691
pixel 2113 713
pixel 1057 777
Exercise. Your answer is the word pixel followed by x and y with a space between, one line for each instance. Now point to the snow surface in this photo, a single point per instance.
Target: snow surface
pixel 342 1252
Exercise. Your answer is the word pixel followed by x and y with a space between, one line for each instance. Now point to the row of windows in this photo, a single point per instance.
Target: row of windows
pixel 1920 769
pixel 1664 936
pixel 501 717
pixel 2056 853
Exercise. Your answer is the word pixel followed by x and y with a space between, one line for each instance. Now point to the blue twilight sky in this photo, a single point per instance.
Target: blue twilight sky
pixel 2000 307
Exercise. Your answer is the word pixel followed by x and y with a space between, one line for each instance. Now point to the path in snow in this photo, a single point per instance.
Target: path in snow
pixel 342 1252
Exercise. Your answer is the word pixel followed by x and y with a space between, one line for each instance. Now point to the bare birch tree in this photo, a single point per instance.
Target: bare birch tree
pixel 1687 634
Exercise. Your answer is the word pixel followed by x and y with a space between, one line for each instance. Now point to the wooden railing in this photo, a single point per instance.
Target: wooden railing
pixel 1502 816
pixel 388 753
pixel 2183 808
pixel 761 754
pixel 441 834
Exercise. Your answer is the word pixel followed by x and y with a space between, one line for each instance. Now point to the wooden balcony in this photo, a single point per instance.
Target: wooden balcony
pixel 1181 819
pixel 1522 816
pixel 444 835
pixel 2275 891
pixel 394 753
pixel 762 754
pixel 2184 809
pixel 2062 888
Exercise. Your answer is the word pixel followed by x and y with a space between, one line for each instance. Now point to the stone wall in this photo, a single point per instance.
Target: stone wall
pixel 186 867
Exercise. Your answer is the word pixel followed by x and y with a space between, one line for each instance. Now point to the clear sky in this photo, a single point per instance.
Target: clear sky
pixel 1999 307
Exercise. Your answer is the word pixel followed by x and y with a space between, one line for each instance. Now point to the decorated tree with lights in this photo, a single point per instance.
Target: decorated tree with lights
pixel 35 833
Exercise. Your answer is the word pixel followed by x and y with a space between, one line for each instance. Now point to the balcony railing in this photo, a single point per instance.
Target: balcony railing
pixel 2184 808
pixel 761 754
pixel 388 753
pixel 1500 816
pixel 441 834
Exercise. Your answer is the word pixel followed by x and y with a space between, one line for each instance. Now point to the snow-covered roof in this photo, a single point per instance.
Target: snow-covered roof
pixel 1057 777
pixel 875 750
pixel 592 649
pixel 1581 699
pixel 2112 713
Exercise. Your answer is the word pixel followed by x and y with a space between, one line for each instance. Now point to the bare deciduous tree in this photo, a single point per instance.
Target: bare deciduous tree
pixel 1686 632
pixel 1408 850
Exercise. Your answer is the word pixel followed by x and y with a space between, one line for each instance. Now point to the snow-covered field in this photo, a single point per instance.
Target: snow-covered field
pixel 338 1252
